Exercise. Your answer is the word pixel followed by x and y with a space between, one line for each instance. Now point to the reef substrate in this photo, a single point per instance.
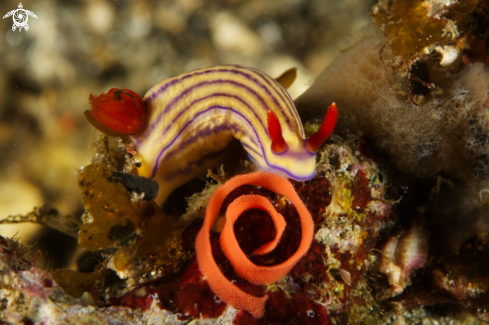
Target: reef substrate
pixel 328 285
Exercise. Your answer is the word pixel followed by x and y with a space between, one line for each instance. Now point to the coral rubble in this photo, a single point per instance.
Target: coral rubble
pixel 30 296
pixel 346 200
pixel 415 28
pixel 398 205
pixel 444 134
pixel 348 208
pixel 426 115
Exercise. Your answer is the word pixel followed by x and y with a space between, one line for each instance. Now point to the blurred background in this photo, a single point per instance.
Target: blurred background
pixel 75 48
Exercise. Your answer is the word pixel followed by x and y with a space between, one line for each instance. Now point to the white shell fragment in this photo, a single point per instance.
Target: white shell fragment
pixel 449 54
pixel 404 252
pixel 345 275
pixel 444 2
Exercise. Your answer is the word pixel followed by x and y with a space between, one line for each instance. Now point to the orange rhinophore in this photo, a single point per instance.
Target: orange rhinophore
pixel 246 269
pixel 316 140
pixel 118 111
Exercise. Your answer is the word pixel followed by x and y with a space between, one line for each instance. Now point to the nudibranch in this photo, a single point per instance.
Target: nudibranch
pixel 183 125
pixel 246 269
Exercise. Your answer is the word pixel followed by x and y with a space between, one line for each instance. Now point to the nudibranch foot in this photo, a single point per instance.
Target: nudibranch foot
pixel 246 269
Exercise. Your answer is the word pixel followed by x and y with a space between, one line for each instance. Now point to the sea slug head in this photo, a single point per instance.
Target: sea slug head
pixel 291 156
pixel 119 111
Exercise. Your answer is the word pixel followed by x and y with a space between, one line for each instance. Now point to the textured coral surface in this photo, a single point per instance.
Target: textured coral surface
pixel 346 200
pixel 399 203
pixel 446 133
pixel 347 204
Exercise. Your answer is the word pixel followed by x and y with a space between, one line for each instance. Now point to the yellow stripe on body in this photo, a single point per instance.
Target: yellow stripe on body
pixel 242 98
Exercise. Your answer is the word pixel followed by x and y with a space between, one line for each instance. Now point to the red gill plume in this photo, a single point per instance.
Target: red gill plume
pixel 275 133
pixel 316 140
pixel 118 111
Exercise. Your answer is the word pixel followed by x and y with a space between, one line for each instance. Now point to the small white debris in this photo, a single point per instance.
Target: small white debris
pixel 141 292
pixel 87 218
pixel 136 197
pixel 346 276
pixel 449 54
pixel 87 298
pixel 444 2
pixel 484 190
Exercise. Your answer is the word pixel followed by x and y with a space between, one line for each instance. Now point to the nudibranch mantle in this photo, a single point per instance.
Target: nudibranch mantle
pixel 192 118
pixel 189 121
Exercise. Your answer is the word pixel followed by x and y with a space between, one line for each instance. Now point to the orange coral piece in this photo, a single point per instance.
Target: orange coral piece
pixel 255 274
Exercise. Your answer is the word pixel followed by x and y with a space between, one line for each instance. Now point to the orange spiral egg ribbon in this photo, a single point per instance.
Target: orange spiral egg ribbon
pixel 246 269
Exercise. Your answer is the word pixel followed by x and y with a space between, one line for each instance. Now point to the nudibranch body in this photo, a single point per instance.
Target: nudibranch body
pixel 191 119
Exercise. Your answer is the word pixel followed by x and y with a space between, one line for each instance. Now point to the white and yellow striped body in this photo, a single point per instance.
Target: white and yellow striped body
pixel 192 118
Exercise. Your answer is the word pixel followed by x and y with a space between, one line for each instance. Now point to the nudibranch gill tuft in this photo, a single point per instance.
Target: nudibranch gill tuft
pixel 120 110
pixel 188 121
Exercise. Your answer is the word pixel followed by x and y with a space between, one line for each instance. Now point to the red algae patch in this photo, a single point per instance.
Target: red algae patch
pixel 361 191
pixel 315 194
pixel 186 294
pixel 280 309
pixel 246 269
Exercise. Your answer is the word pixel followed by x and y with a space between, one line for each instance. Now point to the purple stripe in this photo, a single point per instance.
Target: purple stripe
pixel 262 75
pixel 289 103
pixel 180 113
pixel 155 168
pixel 226 126
pixel 192 165
pixel 285 171
pixel 203 83
pixel 296 114
pixel 247 76
pixel 249 148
